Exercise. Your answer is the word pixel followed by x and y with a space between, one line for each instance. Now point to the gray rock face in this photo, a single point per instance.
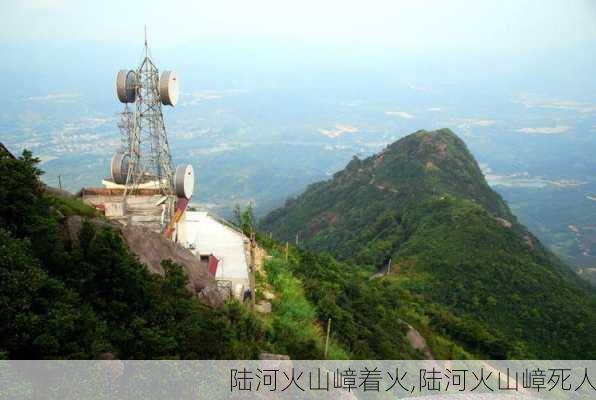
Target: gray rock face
pixel 71 227
pixel 271 356
pixel 151 248
pixel 263 307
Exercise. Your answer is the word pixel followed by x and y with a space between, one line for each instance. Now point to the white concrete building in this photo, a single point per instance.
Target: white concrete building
pixel 204 234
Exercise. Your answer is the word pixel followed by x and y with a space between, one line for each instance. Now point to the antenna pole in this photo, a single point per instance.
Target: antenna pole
pixel 389 266
pixel 327 339
pixel 146 41
pixel 287 251
pixel 253 265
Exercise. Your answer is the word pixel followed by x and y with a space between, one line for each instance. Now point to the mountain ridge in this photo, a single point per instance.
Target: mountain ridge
pixel 423 164
pixel 423 206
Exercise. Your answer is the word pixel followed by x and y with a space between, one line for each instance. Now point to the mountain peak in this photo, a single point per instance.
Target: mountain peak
pixel 423 207
pixel 433 146
pixel 436 145
pixel 423 164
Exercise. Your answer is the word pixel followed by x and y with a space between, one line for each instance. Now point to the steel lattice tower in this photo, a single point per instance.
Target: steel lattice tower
pixel 143 165
pixel 125 125
pixel 150 158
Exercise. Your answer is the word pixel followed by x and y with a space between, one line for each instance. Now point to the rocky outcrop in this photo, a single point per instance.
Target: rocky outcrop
pixel 263 307
pixel 271 356
pixel 151 248
pixel 504 222
pixel 417 341
pixel 71 227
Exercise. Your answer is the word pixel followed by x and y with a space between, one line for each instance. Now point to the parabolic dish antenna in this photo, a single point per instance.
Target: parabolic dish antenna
pixel 126 86
pixel 119 167
pixel 169 89
pixel 184 181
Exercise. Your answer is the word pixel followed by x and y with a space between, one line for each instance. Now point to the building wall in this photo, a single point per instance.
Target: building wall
pixel 206 235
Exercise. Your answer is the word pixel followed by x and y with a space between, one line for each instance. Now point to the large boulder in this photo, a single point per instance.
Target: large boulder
pixel 151 248
pixel 71 227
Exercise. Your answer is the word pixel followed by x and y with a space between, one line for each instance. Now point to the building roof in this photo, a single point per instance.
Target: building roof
pixel 211 236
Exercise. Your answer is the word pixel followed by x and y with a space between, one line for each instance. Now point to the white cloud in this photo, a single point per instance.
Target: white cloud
pixel 431 25
pixel 533 101
pixel 434 109
pixel 55 97
pixel 484 122
pixel 467 123
pixel 418 88
pixel 41 4
pixel 524 179
pixel 545 130
pixel 401 114
pixel 206 95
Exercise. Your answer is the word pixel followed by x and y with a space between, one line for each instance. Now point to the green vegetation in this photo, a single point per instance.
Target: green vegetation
pixel 312 288
pixel 550 210
pixel 367 323
pixel 87 296
pixel 463 270
pixel 83 298
pixel 294 325
pixel 68 206
pixel 473 281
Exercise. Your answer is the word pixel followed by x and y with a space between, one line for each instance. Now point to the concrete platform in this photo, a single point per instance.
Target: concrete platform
pixel 147 208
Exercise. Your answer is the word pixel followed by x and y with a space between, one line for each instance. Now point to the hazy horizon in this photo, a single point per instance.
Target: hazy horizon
pixel 276 96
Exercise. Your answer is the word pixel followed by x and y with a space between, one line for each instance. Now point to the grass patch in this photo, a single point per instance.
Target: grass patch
pixel 71 206
pixel 294 328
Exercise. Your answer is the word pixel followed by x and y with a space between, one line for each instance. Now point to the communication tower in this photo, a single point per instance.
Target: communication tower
pixel 144 160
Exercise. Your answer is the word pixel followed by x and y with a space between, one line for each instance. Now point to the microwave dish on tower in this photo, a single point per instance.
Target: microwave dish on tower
pixel 185 181
pixel 169 91
pixel 126 86
pixel 144 160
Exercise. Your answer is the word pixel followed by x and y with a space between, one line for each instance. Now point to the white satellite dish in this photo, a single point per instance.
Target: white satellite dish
pixel 169 89
pixel 126 81
pixel 184 181
pixel 119 167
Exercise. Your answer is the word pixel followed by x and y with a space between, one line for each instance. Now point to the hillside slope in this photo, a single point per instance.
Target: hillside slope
pixel 74 285
pixel 75 290
pixel 480 277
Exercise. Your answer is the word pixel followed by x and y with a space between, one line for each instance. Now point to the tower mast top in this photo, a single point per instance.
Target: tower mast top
pixel 146 47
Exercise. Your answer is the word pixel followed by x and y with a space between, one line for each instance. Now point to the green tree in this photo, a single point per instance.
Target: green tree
pixel 39 317
pixel 91 295
pixel 245 219
pixel 20 192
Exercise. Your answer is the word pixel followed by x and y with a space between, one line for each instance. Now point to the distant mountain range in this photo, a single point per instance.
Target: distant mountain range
pixel 422 215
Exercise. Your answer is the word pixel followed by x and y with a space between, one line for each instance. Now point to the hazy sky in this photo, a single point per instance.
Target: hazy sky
pixel 431 24
pixel 546 46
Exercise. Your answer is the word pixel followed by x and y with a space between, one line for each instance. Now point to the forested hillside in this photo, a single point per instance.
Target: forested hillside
pixel 416 239
pixel 81 293
pixel 457 255
pixel 92 298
